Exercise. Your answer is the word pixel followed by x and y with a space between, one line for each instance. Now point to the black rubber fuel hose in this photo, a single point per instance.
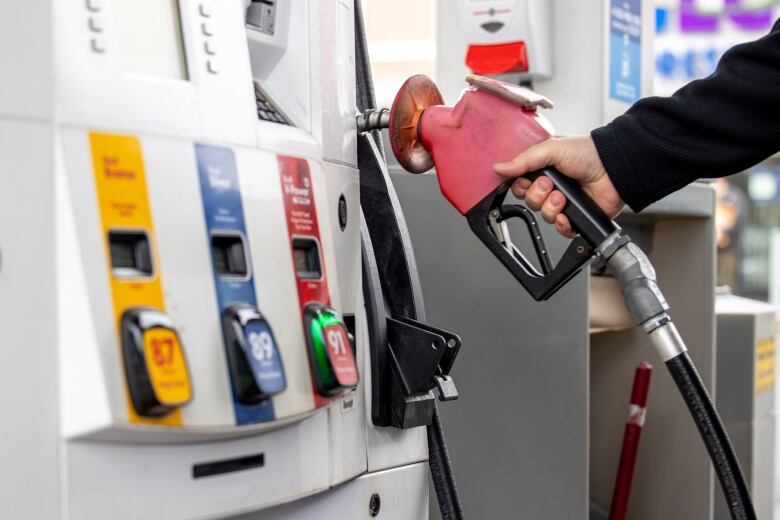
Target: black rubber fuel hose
pixel 714 435
pixel 441 471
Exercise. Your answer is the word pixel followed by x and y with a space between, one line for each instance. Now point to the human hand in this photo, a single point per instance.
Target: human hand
pixel 575 157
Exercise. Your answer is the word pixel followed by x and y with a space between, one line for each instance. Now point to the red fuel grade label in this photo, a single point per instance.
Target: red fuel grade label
pixel 301 214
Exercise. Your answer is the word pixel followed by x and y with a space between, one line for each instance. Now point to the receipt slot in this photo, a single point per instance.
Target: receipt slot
pixel 331 355
pixel 255 364
pixel 155 366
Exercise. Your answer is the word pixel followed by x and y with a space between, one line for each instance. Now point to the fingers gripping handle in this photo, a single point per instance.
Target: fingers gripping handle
pixel 594 227
pixel 585 217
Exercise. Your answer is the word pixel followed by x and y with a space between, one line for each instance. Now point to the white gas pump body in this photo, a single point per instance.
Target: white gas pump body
pixel 74 448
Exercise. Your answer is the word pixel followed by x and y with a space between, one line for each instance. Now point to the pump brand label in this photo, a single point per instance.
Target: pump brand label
pixel 166 366
pixel 224 214
pixel 120 182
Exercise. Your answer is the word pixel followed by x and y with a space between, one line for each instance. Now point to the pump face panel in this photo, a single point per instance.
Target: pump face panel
pixel 198 157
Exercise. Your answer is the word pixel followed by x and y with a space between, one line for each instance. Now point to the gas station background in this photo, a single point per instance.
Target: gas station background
pixel 690 38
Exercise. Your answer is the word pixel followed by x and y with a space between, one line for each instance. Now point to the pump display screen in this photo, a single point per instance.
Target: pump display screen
pixel 306 258
pixel 150 37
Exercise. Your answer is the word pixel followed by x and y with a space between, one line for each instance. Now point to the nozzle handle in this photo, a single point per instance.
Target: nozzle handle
pixel 585 217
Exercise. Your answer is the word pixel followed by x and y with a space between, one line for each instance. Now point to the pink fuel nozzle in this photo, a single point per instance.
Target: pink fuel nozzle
pixel 492 122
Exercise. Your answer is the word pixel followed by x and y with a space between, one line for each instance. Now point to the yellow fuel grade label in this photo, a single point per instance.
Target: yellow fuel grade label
pixel 120 183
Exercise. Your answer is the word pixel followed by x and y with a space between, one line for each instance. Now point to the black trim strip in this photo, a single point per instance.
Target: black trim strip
pixel 218 467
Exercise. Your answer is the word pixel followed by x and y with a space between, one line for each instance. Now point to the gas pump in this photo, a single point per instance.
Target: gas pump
pixel 202 270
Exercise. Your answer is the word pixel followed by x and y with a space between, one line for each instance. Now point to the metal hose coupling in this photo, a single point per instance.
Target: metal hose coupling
pixel 373 119
pixel 645 303
pixel 630 266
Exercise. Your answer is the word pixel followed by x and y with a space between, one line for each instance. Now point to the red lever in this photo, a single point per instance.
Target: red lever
pixel 497 58
pixel 634 424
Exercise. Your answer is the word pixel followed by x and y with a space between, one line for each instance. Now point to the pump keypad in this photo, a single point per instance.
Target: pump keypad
pixel 266 110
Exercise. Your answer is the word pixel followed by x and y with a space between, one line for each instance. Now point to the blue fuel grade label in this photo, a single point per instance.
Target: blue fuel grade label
pixel 264 358
pixel 625 50
pixel 224 214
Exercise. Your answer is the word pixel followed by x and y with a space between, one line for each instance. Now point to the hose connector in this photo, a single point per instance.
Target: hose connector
pixel 636 276
pixel 373 119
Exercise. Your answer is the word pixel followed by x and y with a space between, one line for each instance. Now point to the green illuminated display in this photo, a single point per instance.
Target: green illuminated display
pixel 331 354
pixel 318 324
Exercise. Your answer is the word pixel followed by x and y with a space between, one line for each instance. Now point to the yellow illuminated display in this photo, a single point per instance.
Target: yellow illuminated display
pixel 166 366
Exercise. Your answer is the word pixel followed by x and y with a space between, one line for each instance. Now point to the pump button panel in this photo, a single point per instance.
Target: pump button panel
pixel 256 367
pixel 155 365
pixel 331 353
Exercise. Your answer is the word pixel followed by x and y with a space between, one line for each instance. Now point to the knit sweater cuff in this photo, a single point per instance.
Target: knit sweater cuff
pixel 619 169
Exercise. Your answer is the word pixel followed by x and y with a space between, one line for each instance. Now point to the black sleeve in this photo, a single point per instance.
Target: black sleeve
pixel 711 127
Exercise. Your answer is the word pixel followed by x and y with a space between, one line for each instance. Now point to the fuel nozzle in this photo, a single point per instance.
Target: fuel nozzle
pixel 413 98
pixel 491 122
pixel 403 122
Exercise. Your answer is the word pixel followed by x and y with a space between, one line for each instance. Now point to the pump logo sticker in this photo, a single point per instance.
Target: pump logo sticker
pixel 166 366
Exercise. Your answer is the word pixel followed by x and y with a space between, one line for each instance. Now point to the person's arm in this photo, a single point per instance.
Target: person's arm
pixel 712 127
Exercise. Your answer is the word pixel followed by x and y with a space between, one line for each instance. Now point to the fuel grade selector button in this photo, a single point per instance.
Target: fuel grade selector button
pixel 255 365
pixel 155 365
pixel 329 344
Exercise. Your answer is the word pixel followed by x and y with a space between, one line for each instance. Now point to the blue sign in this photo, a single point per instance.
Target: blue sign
pixel 625 50
pixel 224 213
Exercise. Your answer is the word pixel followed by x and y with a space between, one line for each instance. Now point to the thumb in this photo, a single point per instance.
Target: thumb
pixel 531 159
